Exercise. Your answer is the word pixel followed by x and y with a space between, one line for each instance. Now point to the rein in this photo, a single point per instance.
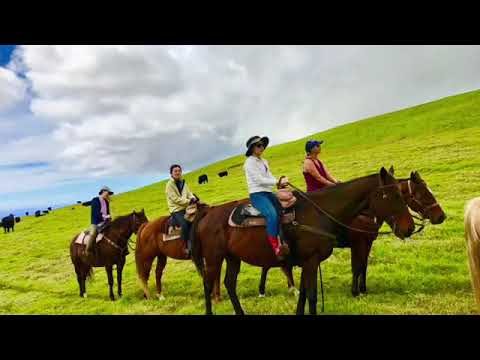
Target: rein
pixel 333 218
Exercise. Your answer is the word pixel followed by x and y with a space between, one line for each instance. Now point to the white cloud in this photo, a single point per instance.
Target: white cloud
pixel 12 88
pixel 135 109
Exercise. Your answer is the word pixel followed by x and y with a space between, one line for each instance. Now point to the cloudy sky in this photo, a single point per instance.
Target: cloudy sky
pixel 73 118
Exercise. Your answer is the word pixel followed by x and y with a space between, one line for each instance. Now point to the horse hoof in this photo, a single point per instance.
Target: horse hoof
pixel 294 291
pixel 84 295
pixel 261 295
pixel 161 297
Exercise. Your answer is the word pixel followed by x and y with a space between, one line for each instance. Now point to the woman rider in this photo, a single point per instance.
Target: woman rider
pixel 314 171
pixel 260 182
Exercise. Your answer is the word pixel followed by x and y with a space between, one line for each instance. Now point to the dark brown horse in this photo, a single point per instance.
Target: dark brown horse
pixel 150 245
pixel 310 238
pixel 418 197
pixel 112 250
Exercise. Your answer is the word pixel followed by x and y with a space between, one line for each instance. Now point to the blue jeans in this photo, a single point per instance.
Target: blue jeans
pixel 267 203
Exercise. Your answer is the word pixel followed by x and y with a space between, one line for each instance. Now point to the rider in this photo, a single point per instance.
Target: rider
pixel 260 181
pixel 314 171
pixel 179 197
pixel 100 215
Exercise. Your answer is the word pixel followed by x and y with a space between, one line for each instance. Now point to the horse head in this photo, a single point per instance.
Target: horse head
pixel 138 219
pixel 387 203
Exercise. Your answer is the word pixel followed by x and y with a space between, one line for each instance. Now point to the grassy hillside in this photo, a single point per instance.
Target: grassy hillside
pixel 427 274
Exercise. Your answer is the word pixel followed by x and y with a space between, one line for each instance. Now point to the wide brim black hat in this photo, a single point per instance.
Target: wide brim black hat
pixel 255 140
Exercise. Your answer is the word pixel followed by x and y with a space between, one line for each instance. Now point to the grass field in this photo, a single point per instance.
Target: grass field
pixel 427 274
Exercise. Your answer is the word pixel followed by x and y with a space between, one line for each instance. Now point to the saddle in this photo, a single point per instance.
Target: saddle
pixel 245 215
pixel 171 230
pixel 83 237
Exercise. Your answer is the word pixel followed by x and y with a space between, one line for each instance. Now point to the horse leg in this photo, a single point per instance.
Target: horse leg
pixel 363 278
pixel 143 270
pixel 109 269
pixel 356 261
pixel 216 286
pixel 287 270
pixel 161 262
pixel 311 285
pixel 263 280
pixel 210 274
pixel 120 266
pixel 302 298
pixel 80 278
pixel 233 268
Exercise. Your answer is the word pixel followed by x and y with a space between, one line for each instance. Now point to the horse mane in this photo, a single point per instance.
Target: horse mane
pixel 472 237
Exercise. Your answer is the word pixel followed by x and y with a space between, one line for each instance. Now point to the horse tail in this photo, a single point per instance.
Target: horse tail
pixel 197 256
pixel 472 236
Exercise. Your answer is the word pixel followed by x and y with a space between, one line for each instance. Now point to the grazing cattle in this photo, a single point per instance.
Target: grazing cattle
pixel 79 202
pixel 202 179
pixel 38 213
pixel 17 219
pixel 49 209
pixel 223 173
pixel 73 208
pixel 8 222
pixel 45 211
pixel 87 203
pixel 26 213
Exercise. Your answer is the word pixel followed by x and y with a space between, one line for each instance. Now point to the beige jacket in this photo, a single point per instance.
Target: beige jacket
pixel 175 200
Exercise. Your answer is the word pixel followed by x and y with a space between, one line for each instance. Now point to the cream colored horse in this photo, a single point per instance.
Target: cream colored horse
pixel 472 235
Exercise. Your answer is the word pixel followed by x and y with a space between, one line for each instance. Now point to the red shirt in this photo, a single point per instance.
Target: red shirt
pixel 312 183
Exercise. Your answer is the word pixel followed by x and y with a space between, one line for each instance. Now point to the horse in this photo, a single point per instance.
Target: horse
pixel 311 236
pixel 472 237
pixel 150 245
pixel 8 222
pixel 112 250
pixel 418 197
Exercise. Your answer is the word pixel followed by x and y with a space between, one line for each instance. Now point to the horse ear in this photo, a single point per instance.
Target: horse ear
pixel 134 212
pixel 143 211
pixel 417 175
pixel 391 170
pixel 383 174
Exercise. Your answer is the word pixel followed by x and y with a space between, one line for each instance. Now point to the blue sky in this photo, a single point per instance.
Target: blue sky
pixel 86 116
pixel 5 52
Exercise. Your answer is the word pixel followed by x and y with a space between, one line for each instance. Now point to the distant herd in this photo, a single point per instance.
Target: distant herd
pixel 8 222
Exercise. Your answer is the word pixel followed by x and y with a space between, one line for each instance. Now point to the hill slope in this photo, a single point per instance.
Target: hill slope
pixel 427 274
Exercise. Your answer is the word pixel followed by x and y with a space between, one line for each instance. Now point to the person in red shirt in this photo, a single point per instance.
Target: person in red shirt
pixel 315 172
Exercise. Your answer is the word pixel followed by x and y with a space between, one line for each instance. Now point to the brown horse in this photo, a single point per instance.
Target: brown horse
pixel 112 250
pixel 150 245
pixel 310 237
pixel 418 197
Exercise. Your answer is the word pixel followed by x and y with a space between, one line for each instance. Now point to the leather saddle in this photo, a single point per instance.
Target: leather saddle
pixel 245 215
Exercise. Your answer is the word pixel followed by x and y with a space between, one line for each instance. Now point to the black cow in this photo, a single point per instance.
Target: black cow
pixel 202 179
pixel 45 211
pixel 8 222
pixel 17 219
pixel 26 213
pixel 38 213
pixel 73 208
pixel 49 209
pixel 87 203
pixel 223 173
pixel 79 202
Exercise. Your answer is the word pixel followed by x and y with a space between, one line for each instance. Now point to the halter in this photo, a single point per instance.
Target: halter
pixel 424 209
pixel 122 250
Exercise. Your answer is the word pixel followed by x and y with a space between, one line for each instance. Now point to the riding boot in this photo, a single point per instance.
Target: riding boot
pixel 90 248
pixel 280 251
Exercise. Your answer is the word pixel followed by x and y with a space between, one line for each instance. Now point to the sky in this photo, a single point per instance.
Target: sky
pixel 74 118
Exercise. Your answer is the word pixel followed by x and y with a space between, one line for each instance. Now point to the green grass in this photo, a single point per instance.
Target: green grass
pixel 427 274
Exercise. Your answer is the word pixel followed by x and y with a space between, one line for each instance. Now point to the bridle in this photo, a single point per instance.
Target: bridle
pixel 122 249
pixel 424 209
pixel 318 208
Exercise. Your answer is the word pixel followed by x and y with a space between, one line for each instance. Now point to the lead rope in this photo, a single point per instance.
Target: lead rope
pixel 321 286
pixel 333 218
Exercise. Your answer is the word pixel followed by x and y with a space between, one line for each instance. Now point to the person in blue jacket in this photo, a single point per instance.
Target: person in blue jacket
pixel 100 215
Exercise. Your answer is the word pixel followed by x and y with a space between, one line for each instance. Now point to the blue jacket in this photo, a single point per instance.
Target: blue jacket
pixel 97 217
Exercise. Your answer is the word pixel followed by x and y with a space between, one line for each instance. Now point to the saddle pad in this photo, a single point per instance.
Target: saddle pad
pixel 83 237
pixel 174 233
pixel 238 218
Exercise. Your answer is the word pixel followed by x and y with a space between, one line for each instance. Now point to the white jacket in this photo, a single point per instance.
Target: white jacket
pixel 259 177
